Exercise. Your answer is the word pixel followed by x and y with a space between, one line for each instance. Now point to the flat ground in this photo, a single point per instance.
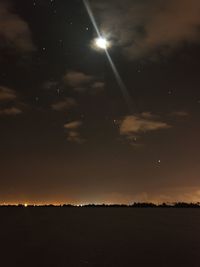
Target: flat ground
pixel 99 237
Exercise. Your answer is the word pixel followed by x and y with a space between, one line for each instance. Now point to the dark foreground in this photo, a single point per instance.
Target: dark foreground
pixel 99 237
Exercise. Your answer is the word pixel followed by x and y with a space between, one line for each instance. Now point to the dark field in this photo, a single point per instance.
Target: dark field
pixel 99 237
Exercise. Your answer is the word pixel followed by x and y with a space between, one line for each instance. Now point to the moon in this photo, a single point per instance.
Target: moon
pixel 101 43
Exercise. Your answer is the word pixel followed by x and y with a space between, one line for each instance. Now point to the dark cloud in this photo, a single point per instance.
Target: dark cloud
pixel 14 31
pixel 144 27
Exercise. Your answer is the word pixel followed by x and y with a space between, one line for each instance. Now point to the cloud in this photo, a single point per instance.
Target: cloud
pixel 134 125
pixel 77 79
pixel 14 31
pixel 10 111
pixel 146 28
pixel 73 125
pixel 179 114
pixel 82 82
pixel 7 94
pixel 149 115
pixel 65 104
pixel 73 134
pixel 75 137
pixel 97 87
pixel 9 102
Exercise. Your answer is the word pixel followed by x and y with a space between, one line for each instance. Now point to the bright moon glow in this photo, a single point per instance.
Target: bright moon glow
pixel 102 43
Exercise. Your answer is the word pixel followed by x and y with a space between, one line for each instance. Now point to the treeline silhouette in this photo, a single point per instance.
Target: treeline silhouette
pixel 134 205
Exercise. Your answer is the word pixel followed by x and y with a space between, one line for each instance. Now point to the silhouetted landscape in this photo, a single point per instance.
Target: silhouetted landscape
pixel 106 235
pixel 134 205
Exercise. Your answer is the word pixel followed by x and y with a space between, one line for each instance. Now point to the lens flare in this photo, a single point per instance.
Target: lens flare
pixel 103 43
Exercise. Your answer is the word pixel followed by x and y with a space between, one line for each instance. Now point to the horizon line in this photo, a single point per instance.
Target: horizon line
pixel 134 204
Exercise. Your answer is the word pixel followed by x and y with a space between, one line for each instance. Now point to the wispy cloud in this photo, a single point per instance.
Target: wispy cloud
pixel 14 31
pixel 7 94
pixel 64 105
pixel 146 28
pixel 134 125
pixel 9 103
pixel 77 79
pixel 97 87
pixel 73 125
pixel 73 132
pixel 179 114
pixel 82 82
pixel 75 137
pixel 10 111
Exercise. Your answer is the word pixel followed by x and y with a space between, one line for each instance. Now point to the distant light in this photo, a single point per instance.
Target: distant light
pixel 101 43
pixel 25 205
pixel 80 205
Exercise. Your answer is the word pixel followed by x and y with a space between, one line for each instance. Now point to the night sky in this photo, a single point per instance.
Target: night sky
pixel 67 134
